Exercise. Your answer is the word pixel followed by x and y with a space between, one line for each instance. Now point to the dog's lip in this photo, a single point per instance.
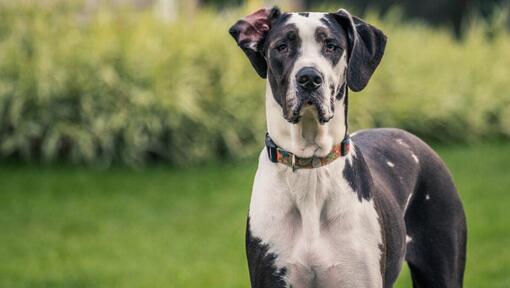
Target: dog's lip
pixel 296 116
pixel 296 113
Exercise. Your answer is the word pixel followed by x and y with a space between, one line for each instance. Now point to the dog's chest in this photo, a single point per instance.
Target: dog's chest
pixel 317 228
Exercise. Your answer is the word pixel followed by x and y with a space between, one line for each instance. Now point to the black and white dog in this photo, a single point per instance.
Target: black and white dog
pixel 329 210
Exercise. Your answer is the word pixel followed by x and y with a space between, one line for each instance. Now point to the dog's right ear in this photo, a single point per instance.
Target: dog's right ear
pixel 250 34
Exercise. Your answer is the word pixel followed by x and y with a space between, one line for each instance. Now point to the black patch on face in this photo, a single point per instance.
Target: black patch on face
pixel 342 91
pixel 263 273
pixel 333 40
pixel 304 14
pixel 282 50
pixel 358 176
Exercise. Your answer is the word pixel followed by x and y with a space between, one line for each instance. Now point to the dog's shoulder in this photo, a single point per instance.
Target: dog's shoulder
pixel 394 158
pixel 390 147
pixel 384 137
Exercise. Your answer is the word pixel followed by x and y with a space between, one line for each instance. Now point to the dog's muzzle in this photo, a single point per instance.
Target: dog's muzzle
pixel 309 92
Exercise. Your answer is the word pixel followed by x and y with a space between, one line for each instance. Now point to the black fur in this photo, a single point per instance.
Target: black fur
pixel 335 35
pixel 281 64
pixel 263 273
pixel 359 177
pixel 367 45
pixel 437 226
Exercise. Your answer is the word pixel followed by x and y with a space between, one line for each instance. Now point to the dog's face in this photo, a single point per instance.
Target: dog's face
pixel 306 57
pixel 309 57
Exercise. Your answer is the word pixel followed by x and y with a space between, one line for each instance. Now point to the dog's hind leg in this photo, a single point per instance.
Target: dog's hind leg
pixel 436 230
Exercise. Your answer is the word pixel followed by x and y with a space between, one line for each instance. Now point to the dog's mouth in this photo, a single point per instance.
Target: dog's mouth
pixel 310 101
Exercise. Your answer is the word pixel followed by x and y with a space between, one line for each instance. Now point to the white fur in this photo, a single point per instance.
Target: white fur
pixel 390 164
pixel 310 218
pixel 427 197
pixel 316 225
pixel 408 239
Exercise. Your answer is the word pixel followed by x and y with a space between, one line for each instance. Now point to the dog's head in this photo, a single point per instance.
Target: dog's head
pixel 309 59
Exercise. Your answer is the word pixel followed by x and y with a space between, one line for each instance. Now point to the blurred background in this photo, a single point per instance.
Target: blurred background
pixel 129 131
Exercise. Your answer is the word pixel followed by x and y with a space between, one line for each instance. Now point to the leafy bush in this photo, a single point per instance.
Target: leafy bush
pixel 122 86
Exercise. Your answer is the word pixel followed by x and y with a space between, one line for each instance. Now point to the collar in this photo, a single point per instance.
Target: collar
pixel 278 155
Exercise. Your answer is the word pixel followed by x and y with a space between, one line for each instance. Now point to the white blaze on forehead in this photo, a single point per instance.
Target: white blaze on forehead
pixel 310 50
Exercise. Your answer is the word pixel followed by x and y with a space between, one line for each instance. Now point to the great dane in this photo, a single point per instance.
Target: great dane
pixel 328 209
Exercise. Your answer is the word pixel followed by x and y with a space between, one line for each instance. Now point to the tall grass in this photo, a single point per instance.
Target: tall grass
pixel 123 86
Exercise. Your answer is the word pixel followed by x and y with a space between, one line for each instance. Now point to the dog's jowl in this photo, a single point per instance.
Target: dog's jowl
pixel 330 209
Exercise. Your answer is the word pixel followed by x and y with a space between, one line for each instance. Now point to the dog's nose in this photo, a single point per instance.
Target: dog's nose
pixel 309 78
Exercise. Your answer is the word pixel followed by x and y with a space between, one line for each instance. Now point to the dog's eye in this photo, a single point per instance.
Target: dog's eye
pixel 330 47
pixel 282 48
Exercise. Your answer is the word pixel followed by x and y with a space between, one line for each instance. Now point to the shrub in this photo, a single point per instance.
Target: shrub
pixel 120 86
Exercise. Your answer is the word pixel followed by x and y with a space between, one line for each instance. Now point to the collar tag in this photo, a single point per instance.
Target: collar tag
pixel 316 162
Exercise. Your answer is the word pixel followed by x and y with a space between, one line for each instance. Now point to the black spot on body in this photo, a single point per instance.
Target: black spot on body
pixel 263 272
pixel 358 176
pixel 304 14
pixel 436 254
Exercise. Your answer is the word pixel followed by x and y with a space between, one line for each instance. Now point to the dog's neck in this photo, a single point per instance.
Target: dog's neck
pixel 307 138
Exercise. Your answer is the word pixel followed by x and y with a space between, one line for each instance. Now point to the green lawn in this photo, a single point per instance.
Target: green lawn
pixel 77 227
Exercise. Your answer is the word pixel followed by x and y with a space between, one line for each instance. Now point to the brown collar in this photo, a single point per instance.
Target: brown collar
pixel 279 155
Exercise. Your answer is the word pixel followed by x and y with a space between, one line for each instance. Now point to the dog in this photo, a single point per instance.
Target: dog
pixel 329 209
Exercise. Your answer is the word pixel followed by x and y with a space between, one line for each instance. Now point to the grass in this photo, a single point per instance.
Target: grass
pixel 162 227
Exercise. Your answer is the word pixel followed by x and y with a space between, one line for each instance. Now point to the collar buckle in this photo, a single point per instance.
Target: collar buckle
pixel 271 148
pixel 345 145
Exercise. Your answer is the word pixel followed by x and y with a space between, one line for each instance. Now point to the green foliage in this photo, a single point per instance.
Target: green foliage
pixel 120 86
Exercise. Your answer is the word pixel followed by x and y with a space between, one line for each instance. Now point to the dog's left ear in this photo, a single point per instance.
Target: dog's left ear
pixel 250 34
pixel 366 48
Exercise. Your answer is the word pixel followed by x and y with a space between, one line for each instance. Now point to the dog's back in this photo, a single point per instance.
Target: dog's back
pixel 408 175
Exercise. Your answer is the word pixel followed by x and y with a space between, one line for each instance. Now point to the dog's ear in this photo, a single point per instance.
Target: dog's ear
pixel 366 48
pixel 250 34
